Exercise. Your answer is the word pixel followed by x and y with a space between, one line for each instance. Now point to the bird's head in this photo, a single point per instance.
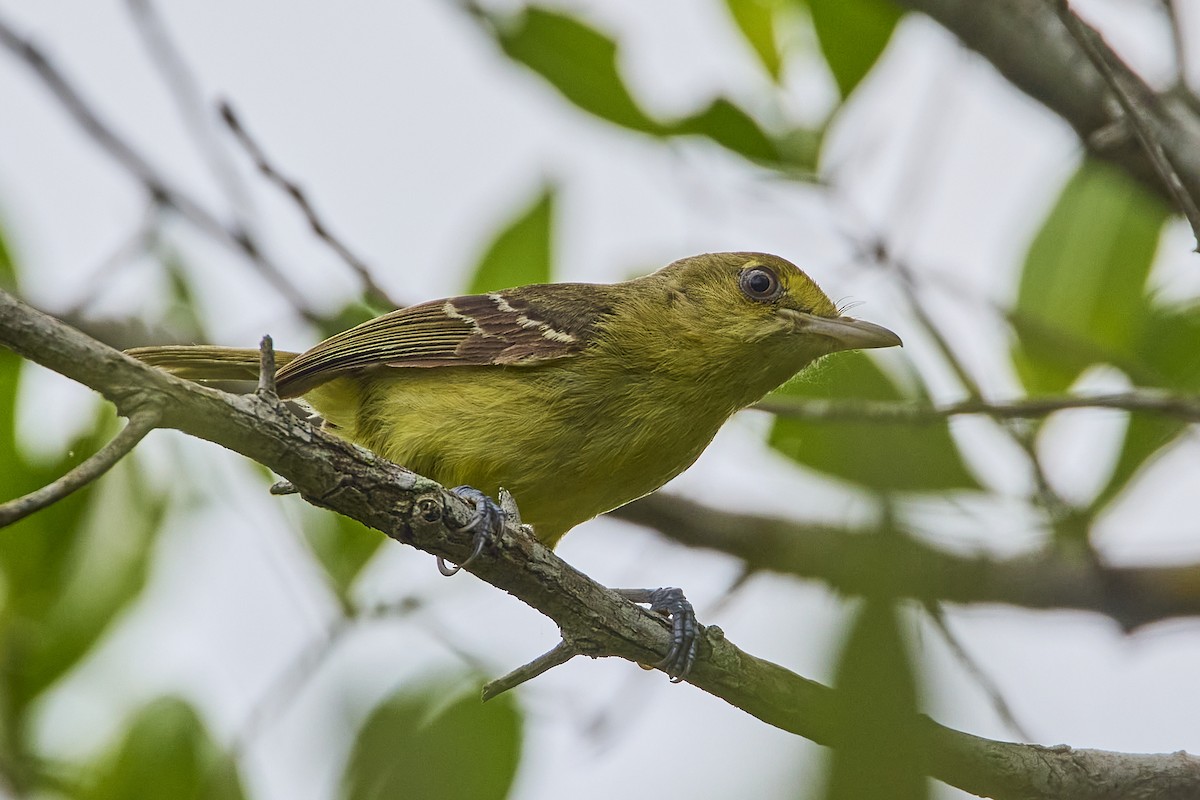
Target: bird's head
pixel 755 296
pixel 756 314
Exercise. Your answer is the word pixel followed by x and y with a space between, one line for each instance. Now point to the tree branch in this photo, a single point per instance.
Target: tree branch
pixel 1148 401
pixel 335 474
pixel 1136 116
pixel 1027 43
pixel 374 291
pixel 140 423
pixel 862 562
pixel 159 188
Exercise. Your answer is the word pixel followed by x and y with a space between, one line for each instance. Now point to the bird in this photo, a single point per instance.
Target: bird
pixel 576 398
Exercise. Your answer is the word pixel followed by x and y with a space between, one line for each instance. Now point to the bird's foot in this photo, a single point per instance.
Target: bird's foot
pixel 672 603
pixel 486 525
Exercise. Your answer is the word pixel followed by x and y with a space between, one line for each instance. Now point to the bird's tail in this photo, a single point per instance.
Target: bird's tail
pixel 205 362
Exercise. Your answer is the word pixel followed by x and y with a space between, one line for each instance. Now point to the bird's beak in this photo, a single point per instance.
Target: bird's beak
pixel 847 333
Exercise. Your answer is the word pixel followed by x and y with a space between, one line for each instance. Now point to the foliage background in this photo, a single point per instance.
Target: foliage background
pixel 175 627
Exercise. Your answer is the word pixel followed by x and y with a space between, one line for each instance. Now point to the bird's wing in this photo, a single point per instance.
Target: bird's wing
pixel 522 326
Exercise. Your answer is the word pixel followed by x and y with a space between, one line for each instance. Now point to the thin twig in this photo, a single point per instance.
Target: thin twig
pixel 142 240
pixel 1086 36
pixel 160 190
pixel 1058 508
pixel 374 291
pixel 287 685
pixel 185 91
pixel 304 666
pixel 140 423
pixel 561 654
pixel 1178 44
pixel 976 671
pixel 1181 406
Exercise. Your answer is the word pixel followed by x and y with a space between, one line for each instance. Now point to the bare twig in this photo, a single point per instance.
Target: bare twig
pixel 1146 401
pixel 375 292
pixel 560 654
pixel 159 188
pixel 101 462
pixel 976 671
pixel 141 240
pixel 1028 44
pixel 185 90
pixel 1178 45
pixel 1087 38
pixel 287 685
pixel 1058 509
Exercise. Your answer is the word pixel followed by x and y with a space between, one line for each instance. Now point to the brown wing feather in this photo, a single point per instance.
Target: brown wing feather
pixel 522 326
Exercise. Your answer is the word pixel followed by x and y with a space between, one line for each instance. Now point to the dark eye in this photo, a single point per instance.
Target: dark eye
pixel 760 283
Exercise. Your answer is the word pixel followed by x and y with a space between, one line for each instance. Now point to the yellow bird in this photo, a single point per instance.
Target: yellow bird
pixel 575 397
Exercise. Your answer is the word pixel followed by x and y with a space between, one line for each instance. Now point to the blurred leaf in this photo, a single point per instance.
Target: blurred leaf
pixel 1080 300
pixel 8 270
pixel 342 545
pixel 879 755
pixel 36 552
pixel 1167 348
pixel 521 253
pixel 12 480
pixel 1167 352
pixel 167 753
pixel 877 455
pixel 732 128
pixel 466 751
pixel 756 20
pixel 581 63
pixel 578 60
pixel 852 35
pixel 184 318
pixel 351 314
pixel 1145 435
pixel 69 568
pixel 108 568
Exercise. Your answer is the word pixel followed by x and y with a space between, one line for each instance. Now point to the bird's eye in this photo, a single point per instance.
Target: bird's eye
pixel 760 283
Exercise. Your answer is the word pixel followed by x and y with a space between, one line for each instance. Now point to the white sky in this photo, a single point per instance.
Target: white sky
pixel 416 139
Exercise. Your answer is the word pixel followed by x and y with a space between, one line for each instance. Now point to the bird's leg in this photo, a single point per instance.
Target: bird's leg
pixel 486 525
pixel 671 603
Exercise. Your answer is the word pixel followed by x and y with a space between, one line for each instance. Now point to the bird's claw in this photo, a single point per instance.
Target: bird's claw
pixel 671 602
pixel 486 523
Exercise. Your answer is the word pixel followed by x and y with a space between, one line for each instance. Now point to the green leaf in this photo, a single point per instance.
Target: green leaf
pixel 353 313
pixel 521 253
pixel 581 63
pixel 167 753
pixel 578 61
pixel 878 756
pixel 881 456
pixel 756 19
pixel 108 569
pixel 469 750
pixel 8 269
pixel 732 128
pixel 71 567
pixel 342 545
pixel 12 480
pixel 1166 350
pixel 852 35
pixel 1081 300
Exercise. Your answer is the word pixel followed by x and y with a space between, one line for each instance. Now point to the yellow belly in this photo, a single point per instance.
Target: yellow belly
pixel 565 451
